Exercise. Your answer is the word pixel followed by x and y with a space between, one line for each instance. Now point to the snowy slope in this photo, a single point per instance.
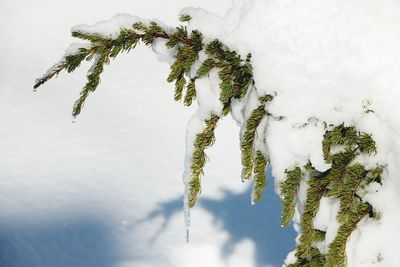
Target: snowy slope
pixel 91 193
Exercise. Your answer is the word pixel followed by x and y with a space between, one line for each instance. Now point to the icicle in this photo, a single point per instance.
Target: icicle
pixel 187 215
pixel 74 119
pixel 252 200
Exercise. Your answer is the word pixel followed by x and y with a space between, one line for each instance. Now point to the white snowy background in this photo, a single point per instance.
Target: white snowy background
pixel 106 190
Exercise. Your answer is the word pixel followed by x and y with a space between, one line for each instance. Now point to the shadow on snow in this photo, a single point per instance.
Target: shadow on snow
pixel 80 242
pixel 259 223
pixel 84 241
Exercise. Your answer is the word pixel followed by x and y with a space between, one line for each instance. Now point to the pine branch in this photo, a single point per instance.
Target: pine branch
pixel 234 72
pixel 190 93
pixel 316 189
pixel 354 176
pixel 203 141
pixel 68 63
pixel 289 191
pixel 341 181
pixel 92 83
pixel 247 143
pixel 260 179
pixel 336 253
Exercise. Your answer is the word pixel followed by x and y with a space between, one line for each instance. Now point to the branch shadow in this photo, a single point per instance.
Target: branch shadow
pixel 259 223
pixel 90 241
pixel 81 242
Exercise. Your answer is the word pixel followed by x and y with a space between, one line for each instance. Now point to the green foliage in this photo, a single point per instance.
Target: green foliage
pixel 316 189
pixel 247 144
pixel 342 181
pixel 260 179
pixel 190 93
pixel 92 83
pixel 289 190
pixel 203 141
pixel 206 67
pixel 68 63
pixel 185 18
pixel 317 259
pixel 234 72
pixel 337 249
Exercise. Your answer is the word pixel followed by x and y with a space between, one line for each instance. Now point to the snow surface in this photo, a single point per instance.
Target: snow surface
pixel 324 60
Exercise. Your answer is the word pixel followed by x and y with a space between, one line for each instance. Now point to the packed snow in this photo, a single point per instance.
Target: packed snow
pixel 324 61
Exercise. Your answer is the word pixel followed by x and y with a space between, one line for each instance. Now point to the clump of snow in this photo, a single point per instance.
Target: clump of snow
pixel 325 220
pixel 163 53
pixel 74 48
pixel 111 27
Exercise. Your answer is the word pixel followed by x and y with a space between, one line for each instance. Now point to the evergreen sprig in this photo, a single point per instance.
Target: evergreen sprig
pixel 93 80
pixel 342 181
pixel 355 174
pixel 203 140
pixel 289 190
pixel 316 189
pixel 185 18
pixel 253 161
pixel 190 93
pixel 68 63
pixel 235 74
pixel 247 143
pixel 260 179
pixel 337 249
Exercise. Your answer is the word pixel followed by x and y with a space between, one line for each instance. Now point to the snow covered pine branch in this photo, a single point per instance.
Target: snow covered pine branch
pixel 337 177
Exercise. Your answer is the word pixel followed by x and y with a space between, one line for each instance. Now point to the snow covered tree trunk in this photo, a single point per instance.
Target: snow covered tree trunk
pixel 313 86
